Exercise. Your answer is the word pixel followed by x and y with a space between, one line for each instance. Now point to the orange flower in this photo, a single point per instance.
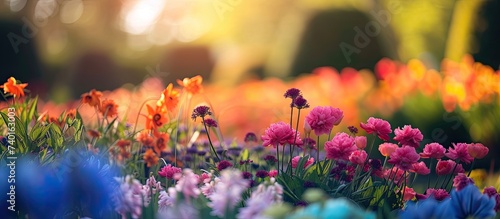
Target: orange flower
pixel 169 97
pixel 56 121
pixel 71 114
pixel 156 117
pixel 192 85
pixel 122 143
pixel 150 158
pixel 145 138
pixel 93 98
pixel 13 88
pixel 161 142
pixel 109 108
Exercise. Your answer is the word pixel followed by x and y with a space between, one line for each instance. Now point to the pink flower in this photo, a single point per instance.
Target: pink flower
pixel 340 147
pixel 477 150
pixel 273 173
pixel 445 167
pixel 280 133
pixel 408 136
pixel 169 171
pixel 420 168
pixel 378 126
pixel 459 153
pixel 461 181
pixel 404 157
pixel 358 157
pixel 296 159
pixel 205 177
pixel 322 119
pixel 396 175
pixel 360 142
pixel 386 149
pixel 433 150
pixel 409 194
pixel 439 194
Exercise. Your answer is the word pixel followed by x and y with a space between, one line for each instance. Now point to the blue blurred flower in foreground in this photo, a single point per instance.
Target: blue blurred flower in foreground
pixel 332 208
pixel 466 203
pixel 77 185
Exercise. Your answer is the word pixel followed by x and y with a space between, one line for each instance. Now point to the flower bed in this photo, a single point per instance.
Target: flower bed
pixel 177 164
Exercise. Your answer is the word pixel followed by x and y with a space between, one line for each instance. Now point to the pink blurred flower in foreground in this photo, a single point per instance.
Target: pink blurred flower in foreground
pixel 433 150
pixel 360 142
pixel 340 147
pixel 459 153
pixel 386 149
pixel 322 119
pixel 188 184
pixel 296 159
pixel 169 171
pixel 378 126
pixel 358 157
pixel 227 191
pixel 280 133
pixel 477 150
pixel 420 168
pixel 404 157
pixel 408 136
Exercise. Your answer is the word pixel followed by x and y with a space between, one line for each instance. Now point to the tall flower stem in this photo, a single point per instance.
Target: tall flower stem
pixel 429 178
pixel 292 147
pixel 449 179
pixel 278 156
pixel 209 140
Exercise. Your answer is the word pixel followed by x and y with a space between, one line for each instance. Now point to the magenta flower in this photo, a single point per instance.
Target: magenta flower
pixel 404 157
pixel 378 126
pixel 461 181
pixel 273 173
pixel 224 164
pixel 439 194
pixel 477 150
pixel 408 136
pixel 322 119
pixel 459 153
pixel 169 171
pixel 296 159
pixel 420 168
pixel 358 157
pixel 280 133
pixel 340 147
pixel 433 150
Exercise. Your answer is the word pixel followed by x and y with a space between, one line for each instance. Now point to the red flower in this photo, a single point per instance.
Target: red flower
pixel 408 136
pixel 358 157
pixel 169 171
pixel 404 157
pixel 12 87
pixel 459 153
pixel 379 126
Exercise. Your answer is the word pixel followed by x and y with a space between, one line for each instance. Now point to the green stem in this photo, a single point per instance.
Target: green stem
pixel 292 147
pixel 429 178
pixel 471 167
pixel 209 140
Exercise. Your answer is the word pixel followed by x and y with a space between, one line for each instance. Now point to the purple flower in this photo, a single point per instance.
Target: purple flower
pixel 461 181
pixel 250 137
pixel 260 200
pixel 200 111
pixel 227 191
pixel 261 174
pixel 210 123
pixel 300 103
pixel 292 93
pixel 224 164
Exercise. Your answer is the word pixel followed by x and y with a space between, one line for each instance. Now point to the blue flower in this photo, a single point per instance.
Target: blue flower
pixel 332 208
pixel 468 202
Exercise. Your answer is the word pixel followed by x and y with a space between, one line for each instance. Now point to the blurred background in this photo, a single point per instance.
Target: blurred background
pixel 64 48
pixel 67 47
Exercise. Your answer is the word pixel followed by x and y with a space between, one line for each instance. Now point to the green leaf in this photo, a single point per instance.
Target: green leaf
pixel 245 155
pixel 56 138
